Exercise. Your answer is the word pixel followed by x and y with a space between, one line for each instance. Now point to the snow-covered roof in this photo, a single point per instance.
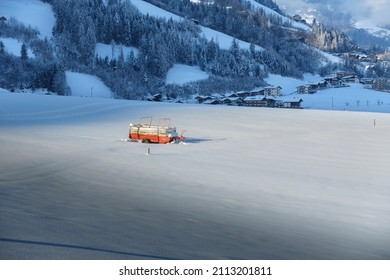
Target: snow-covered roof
pixel 233 98
pixel 254 98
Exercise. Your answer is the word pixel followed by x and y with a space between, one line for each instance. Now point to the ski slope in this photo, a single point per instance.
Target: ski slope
pixel 249 183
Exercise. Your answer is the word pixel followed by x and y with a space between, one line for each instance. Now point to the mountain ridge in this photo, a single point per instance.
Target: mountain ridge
pixel 364 21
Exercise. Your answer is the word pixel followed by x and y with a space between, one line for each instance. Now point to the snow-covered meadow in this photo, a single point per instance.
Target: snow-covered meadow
pixel 249 183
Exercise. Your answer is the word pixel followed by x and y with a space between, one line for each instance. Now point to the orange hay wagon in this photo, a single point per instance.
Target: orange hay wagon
pixel 161 133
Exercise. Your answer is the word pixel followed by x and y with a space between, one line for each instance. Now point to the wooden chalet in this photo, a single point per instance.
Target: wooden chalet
pixel 256 101
pixel 155 98
pixel 381 84
pixel 259 91
pixel 340 74
pixel 322 85
pixel 234 101
pixel 244 94
pixel 292 104
pixel 334 82
pixel 350 79
pixel 271 102
pixel 212 102
pixel 307 89
pixel 233 95
pixel 367 81
pixel 202 98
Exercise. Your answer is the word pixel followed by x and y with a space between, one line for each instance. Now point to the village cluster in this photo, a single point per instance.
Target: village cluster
pixel 271 96
pixel 264 97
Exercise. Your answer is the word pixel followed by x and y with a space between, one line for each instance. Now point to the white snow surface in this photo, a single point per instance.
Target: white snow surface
pixel 180 74
pixel 14 46
pixel 250 183
pixel 224 40
pixel 114 51
pixel 154 11
pixel 34 13
pixel 85 85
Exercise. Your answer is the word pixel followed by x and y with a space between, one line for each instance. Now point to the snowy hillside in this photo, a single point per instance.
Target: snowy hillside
pixel 284 19
pixel 157 44
pixel 34 13
pixel 87 85
pixel 249 183
pixel 364 20
pixel 372 28
pixel 224 40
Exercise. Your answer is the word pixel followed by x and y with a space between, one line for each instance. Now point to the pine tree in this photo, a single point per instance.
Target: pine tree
pixel 23 52
pixel 2 48
pixel 131 59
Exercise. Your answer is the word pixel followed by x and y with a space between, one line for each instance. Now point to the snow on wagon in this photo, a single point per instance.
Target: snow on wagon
pixel 162 133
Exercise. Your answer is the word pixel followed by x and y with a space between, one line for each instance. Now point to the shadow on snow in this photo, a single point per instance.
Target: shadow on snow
pixel 40 243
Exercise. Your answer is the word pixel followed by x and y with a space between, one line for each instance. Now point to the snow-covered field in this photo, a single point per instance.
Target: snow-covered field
pixel 250 183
